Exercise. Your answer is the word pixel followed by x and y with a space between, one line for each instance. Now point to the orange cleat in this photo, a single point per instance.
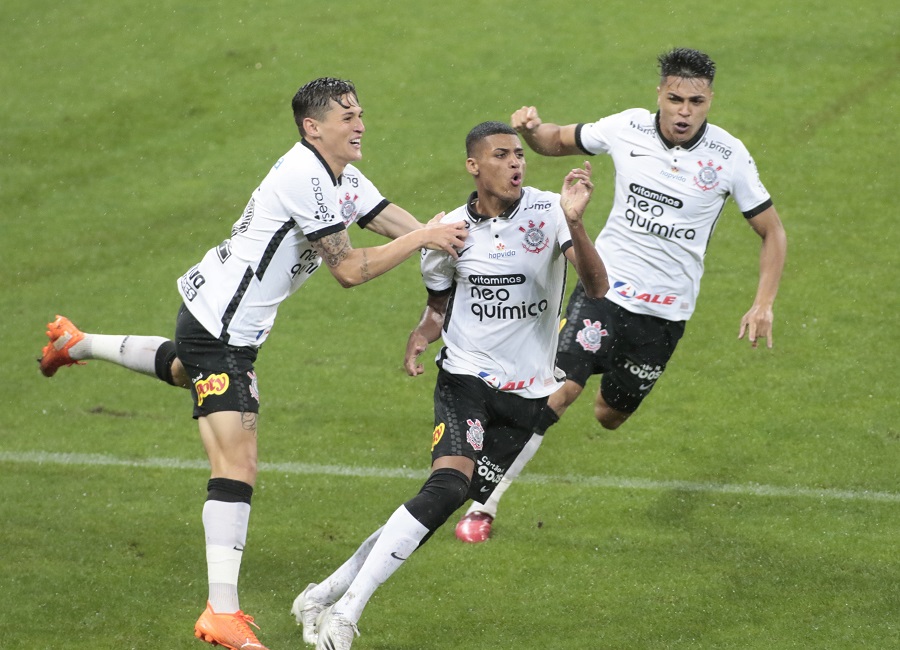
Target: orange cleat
pixel 227 630
pixel 475 527
pixel 63 335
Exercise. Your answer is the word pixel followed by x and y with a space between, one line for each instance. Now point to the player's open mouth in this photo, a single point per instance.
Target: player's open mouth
pixel 516 179
pixel 682 127
pixel 355 143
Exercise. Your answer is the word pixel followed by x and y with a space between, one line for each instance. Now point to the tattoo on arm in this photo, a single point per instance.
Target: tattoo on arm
pixel 364 267
pixel 334 249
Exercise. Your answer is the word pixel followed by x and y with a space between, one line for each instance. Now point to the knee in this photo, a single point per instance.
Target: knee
pixel 441 495
pixel 608 417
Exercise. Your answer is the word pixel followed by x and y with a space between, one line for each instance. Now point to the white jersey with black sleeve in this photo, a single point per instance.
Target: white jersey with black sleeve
pixel 506 291
pixel 668 199
pixel 235 290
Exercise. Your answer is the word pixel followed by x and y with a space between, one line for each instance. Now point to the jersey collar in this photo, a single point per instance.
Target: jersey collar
pixel 476 217
pixel 334 181
pixel 690 144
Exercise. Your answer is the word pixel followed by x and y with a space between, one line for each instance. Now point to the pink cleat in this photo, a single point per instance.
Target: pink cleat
pixel 474 527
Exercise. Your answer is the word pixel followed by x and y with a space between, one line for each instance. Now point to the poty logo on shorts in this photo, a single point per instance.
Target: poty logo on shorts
pixel 437 435
pixel 212 385
pixel 475 434
pixel 590 337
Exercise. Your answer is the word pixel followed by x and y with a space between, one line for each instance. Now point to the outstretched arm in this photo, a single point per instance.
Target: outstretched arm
pixel 354 266
pixel 576 194
pixel 545 139
pixel 757 322
pixel 427 331
pixel 393 222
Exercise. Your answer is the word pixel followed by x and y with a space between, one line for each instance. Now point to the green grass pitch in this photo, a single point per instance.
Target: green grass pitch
pixel 753 501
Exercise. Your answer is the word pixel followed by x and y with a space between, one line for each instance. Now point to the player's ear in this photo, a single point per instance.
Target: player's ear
pixel 310 126
pixel 472 166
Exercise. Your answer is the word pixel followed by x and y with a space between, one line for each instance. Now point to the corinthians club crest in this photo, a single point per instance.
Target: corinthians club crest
pixel 475 434
pixel 348 207
pixel 708 176
pixel 590 337
pixel 535 239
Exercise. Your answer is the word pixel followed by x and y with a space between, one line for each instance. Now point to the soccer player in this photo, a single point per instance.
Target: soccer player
pixel 497 307
pixel 674 172
pixel 295 220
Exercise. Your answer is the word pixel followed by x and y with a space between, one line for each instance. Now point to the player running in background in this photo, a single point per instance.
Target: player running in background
pixel 497 306
pixel 674 172
pixel 296 219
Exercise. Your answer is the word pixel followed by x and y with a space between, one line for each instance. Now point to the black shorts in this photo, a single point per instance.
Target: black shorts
pixel 489 426
pixel 222 376
pixel 630 350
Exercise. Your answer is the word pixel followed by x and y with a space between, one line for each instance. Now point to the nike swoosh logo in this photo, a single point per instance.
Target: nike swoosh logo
pixel 397 557
pixel 485 488
pixel 460 253
pixel 647 386
pixel 638 155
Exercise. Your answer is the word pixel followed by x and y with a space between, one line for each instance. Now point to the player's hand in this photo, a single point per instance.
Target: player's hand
pixel 576 193
pixel 757 324
pixel 525 119
pixel 448 237
pixel 415 345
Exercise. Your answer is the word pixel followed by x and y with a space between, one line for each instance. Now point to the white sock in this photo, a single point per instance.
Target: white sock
pixel 489 507
pixel 136 353
pixel 336 585
pixel 225 525
pixel 398 539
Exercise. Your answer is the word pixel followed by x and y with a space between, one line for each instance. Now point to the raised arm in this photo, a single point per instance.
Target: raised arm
pixel 757 322
pixel 576 194
pixel 353 266
pixel 427 331
pixel 545 139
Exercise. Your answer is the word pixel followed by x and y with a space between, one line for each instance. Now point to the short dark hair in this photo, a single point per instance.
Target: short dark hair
pixel 313 98
pixel 686 63
pixel 484 130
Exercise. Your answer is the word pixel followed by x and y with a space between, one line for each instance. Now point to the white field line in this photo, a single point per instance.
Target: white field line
pixel 599 482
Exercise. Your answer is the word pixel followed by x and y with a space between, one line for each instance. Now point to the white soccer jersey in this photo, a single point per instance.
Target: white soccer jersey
pixel 507 289
pixel 235 290
pixel 667 201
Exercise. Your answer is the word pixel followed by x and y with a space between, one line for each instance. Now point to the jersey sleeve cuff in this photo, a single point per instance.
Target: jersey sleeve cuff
pixel 762 207
pixel 438 292
pixel 330 230
pixel 578 139
pixel 362 222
